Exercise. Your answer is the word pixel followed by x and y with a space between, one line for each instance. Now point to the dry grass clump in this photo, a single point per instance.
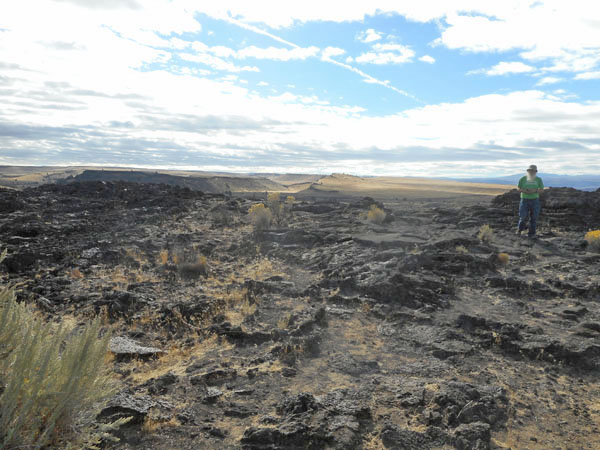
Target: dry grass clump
pixel 53 381
pixel 196 269
pixel 163 256
pixel 76 274
pixel 285 321
pixel 593 239
pixel 503 258
pixel 248 308
pixel 461 249
pixel 260 216
pixel 376 215
pixel 486 233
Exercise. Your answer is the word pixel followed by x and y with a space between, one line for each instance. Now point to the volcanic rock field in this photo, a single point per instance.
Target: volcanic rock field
pixel 327 331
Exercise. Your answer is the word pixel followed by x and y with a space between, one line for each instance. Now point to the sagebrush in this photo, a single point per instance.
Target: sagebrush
pixel 53 381
pixel 260 216
pixel 376 215
pixel 275 206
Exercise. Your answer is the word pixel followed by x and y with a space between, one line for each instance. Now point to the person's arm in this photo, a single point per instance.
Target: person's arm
pixel 540 189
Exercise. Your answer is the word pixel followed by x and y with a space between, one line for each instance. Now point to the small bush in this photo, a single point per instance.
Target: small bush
pixel 486 233
pixel 461 249
pixel 194 269
pixel 376 215
pixel 289 204
pixel 503 258
pixel 260 216
pixel 53 381
pixel 593 239
pixel 276 207
pixel 222 218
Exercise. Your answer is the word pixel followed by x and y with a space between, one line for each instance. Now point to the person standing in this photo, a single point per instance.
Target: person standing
pixel 530 186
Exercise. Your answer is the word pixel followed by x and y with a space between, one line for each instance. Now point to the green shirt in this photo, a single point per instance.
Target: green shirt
pixel 525 183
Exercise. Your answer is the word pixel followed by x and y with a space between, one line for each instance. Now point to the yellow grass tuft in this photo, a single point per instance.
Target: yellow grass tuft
pixel 486 233
pixel 503 258
pixel 163 257
pixel 150 425
pixel 284 322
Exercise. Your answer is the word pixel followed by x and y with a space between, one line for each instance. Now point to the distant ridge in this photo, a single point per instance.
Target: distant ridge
pixel 581 182
pixel 211 184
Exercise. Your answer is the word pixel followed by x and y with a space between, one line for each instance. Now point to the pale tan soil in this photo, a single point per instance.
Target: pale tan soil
pixel 401 187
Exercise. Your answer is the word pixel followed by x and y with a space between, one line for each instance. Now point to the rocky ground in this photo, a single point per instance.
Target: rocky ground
pixel 328 331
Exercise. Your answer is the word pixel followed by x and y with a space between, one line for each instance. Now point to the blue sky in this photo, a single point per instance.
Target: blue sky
pixel 393 88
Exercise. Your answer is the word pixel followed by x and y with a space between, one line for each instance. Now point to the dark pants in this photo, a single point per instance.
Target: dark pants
pixel 529 210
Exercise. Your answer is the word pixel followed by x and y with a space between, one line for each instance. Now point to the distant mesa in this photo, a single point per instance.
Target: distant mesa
pixel 210 184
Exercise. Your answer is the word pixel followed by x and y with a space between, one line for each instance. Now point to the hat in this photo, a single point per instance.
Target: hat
pixel 532 168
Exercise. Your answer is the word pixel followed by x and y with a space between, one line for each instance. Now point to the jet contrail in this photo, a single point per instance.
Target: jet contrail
pixel 368 78
pixel 260 31
pixel 371 79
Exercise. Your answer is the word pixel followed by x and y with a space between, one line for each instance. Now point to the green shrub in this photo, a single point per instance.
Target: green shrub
pixel 53 382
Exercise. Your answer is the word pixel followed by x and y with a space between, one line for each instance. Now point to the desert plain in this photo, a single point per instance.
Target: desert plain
pixel 420 328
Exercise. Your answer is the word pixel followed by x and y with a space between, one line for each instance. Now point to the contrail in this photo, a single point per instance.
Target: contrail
pixel 368 78
pixel 371 79
pixel 260 31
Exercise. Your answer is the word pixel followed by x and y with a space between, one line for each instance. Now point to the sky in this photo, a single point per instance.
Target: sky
pixel 381 87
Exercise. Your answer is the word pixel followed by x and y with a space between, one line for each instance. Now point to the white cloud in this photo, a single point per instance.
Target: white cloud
pixel 387 54
pixel 565 34
pixel 271 53
pixel 369 35
pixel 588 76
pixel 216 62
pixel 548 80
pixel 277 54
pixel 505 68
pixel 427 59
pixel 330 52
